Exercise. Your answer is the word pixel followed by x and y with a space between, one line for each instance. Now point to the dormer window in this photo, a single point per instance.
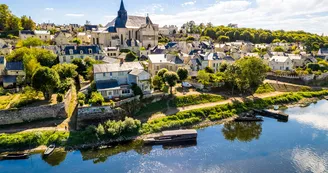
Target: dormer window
pixel 63 52
pixel 81 52
pixel 90 51
pixel 71 51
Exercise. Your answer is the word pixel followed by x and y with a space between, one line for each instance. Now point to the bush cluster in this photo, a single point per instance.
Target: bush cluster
pixel 264 88
pixel 114 129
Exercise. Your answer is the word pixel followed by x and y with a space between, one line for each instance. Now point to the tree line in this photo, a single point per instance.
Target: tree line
pixel 10 22
pixel 313 42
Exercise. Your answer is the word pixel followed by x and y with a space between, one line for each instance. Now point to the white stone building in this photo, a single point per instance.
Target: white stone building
pixel 127 31
pixel 281 63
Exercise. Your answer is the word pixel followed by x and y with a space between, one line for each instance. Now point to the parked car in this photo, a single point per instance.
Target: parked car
pixel 186 85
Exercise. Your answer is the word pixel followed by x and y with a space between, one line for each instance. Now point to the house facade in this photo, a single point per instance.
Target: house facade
pixel 43 35
pixel 63 38
pixel 68 53
pixel 115 80
pixel 160 61
pixel 281 63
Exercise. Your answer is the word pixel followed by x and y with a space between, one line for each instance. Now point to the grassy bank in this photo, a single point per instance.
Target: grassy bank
pixel 181 101
pixel 130 127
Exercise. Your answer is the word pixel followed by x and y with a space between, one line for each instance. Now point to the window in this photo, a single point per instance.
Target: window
pixel 214 65
pixel 126 91
pixel 71 51
pixel 157 67
pixel 45 37
pixel 64 58
pixel 90 51
pixel 81 51
pixel 40 36
pixel 81 57
pixel 116 92
pixel 97 40
pixel 104 74
pixel 120 73
pixel 171 68
pixel 104 93
pixel 110 74
pixel 72 57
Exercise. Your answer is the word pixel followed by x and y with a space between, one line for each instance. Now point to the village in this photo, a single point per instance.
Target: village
pixel 130 77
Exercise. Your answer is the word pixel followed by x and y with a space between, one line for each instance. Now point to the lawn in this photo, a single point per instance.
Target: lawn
pixel 180 101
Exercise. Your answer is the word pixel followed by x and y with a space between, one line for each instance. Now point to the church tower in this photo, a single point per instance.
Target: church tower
pixel 122 16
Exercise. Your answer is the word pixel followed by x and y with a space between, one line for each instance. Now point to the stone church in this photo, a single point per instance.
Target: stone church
pixel 128 32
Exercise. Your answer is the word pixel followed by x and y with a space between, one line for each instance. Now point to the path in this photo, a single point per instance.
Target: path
pixel 172 111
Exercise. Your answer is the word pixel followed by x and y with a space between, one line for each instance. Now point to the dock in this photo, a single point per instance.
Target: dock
pixel 280 116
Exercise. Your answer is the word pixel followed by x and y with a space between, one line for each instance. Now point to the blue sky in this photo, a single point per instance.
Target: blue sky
pixel 308 15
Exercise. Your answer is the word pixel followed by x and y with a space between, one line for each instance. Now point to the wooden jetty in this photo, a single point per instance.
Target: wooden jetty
pixel 273 114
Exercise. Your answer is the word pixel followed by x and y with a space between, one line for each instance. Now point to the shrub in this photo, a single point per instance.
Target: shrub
pixel 96 99
pixel 100 130
pixel 118 128
pixel 137 90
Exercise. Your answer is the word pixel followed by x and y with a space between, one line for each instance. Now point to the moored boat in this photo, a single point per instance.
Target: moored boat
pixel 15 156
pixel 49 150
pixel 172 137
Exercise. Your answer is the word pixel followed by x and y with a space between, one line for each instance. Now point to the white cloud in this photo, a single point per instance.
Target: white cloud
pixel 49 9
pixel 74 15
pixel 189 3
pixel 274 14
pixel 306 160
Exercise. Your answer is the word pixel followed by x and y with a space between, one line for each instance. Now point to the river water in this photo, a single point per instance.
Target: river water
pixel 300 145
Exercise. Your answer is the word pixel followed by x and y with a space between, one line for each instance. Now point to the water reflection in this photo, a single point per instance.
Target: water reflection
pixel 306 160
pixel 315 115
pixel 57 157
pixel 242 131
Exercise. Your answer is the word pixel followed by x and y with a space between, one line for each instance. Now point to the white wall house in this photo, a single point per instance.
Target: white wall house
pixel 68 53
pixel 115 80
pixel 43 35
pixel 281 63
pixel 63 38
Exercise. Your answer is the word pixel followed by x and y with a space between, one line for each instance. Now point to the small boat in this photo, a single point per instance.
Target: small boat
pixel 172 137
pixel 15 156
pixel 248 119
pixel 49 150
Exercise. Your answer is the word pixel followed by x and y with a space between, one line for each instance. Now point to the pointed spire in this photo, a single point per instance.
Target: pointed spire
pixel 122 8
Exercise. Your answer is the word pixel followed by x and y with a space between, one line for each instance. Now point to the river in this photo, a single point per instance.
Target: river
pixel 300 145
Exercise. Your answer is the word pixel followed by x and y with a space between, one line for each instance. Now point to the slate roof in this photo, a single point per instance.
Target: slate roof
pixel 116 67
pixel 9 79
pixel 14 66
pixel 195 51
pixel 174 59
pixel 27 32
pixel 106 84
pixel 2 59
pixel 90 27
pixel 77 49
pixel 110 60
pixel 132 22
pixel 323 51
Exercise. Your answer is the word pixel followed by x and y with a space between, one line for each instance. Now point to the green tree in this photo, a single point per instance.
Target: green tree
pixel 96 99
pixel 203 77
pixel 137 90
pixel 209 70
pixel 31 42
pixel 81 67
pixel 45 80
pixel 157 82
pixel 182 73
pixel 232 74
pixel 223 39
pixel 4 16
pixel 223 67
pixel 253 73
pixel 161 73
pixel 171 78
pixel 13 24
pixel 27 23
pixel 279 49
pixel 65 70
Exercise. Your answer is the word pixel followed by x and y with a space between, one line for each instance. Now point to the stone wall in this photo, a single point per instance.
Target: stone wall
pixel 29 114
pixel 93 115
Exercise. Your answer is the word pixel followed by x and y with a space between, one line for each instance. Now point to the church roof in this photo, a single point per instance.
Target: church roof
pixel 132 22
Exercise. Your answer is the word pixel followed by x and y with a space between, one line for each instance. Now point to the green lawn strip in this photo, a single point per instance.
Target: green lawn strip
pixel 181 101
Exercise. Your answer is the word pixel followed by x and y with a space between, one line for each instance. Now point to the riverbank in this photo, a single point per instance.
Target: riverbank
pixel 186 119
